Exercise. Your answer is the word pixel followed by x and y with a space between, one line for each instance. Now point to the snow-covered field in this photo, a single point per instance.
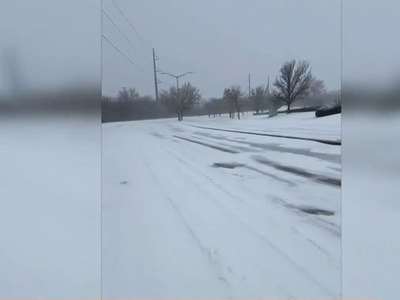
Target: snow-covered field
pixel 371 206
pixel 190 212
pixel 298 125
pixel 194 212
pixel 50 214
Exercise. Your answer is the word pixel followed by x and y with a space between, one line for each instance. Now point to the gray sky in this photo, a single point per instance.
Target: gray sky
pixel 370 41
pixel 52 43
pixel 221 41
pixel 58 42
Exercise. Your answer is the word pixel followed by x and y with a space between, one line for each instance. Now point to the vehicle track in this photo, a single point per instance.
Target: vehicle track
pixel 323 141
pixel 264 239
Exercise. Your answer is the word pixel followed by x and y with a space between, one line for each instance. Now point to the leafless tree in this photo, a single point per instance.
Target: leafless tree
pixel 129 105
pixel 170 99
pixel 182 100
pixel 126 95
pixel 234 98
pixel 259 98
pixel 317 87
pixel 214 106
pixel 317 91
pixel 293 82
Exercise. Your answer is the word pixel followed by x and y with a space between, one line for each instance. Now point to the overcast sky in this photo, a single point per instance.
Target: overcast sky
pixel 50 43
pixel 220 41
pixel 371 52
pixel 55 43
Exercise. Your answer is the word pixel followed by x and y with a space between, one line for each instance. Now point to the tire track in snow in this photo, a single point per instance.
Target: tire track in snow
pixel 328 142
pixel 223 149
pixel 261 237
pixel 292 170
pixel 299 172
pixel 326 225
pixel 319 178
pixel 333 158
pixel 215 264
pixel 208 252
pixel 296 171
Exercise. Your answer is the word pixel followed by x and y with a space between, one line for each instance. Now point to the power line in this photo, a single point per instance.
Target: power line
pixel 144 42
pixel 123 54
pixel 129 41
pixel 130 24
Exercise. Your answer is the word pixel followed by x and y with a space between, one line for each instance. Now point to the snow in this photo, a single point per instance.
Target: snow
pixel 190 212
pixel 50 210
pixel 300 124
pixel 371 207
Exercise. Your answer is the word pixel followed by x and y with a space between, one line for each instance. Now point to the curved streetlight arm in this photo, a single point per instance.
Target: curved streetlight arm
pixel 177 88
pixel 185 74
pixel 176 76
pixel 165 73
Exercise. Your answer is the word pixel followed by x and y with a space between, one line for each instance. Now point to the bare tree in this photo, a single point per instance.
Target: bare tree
pixel 259 98
pixel 234 98
pixel 126 95
pixel 317 91
pixel 214 106
pixel 317 87
pixel 170 99
pixel 293 82
pixel 182 100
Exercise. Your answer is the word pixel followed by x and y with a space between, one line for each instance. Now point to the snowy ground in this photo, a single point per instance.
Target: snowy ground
pixel 300 125
pixel 192 212
pixel 50 212
pixel 371 206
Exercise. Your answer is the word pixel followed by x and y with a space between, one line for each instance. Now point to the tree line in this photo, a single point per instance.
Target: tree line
pixel 129 105
pixel 294 84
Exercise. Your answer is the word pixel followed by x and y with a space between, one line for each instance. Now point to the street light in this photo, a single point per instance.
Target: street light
pixel 177 88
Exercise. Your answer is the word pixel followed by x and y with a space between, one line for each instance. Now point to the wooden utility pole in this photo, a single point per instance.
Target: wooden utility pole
pixel 155 75
pixel 249 87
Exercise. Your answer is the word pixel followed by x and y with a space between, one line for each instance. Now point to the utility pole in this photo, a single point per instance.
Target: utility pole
pixel 177 90
pixel 155 74
pixel 249 86
pixel 179 97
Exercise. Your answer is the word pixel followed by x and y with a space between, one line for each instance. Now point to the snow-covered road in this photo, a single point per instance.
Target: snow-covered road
pixel 190 212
